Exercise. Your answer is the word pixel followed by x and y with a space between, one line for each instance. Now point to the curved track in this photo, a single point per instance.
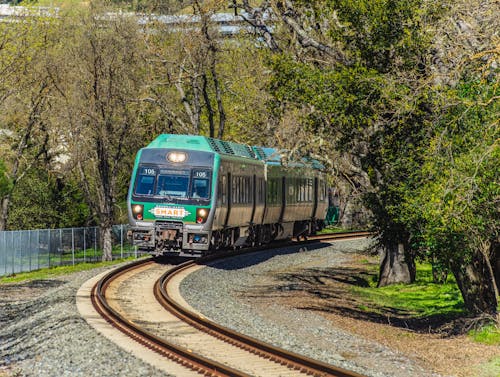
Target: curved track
pixel 244 350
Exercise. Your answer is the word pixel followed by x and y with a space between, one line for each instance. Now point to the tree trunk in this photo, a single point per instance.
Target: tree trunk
pixel 396 266
pixel 495 261
pixel 4 212
pixel 476 285
pixel 106 241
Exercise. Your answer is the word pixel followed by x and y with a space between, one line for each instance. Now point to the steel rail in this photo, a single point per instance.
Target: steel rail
pixel 266 350
pixel 176 353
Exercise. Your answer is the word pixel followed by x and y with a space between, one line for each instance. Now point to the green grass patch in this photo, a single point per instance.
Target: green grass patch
pixel 489 334
pixel 48 273
pixel 420 299
pixel 334 229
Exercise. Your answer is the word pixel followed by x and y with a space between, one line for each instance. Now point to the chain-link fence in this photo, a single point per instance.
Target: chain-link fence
pixel 28 250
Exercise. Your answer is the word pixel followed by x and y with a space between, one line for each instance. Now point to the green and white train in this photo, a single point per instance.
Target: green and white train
pixel 192 195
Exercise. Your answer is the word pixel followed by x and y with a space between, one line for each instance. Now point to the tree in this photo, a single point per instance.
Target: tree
pixel 101 97
pixel 187 71
pixel 42 200
pixel 25 100
pixel 453 211
pixel 349 82
pixel 457 203
pixel 202 81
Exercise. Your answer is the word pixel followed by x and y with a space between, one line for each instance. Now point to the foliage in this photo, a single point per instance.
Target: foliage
pixel 457 201
pixel 5 183
pixel 42 201
pixel 383 34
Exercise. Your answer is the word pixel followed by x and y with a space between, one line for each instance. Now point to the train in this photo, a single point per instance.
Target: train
pixel 192 195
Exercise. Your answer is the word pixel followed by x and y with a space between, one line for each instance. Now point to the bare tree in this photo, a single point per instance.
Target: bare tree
pixel 101 101
pixel 187 72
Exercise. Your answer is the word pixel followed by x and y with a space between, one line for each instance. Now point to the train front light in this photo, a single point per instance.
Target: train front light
pixel 201 215
pixel 177 157
pixel 137 211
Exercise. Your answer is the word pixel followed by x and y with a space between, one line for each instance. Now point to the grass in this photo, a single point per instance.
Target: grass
pixel 489 334
pixel 333 229
pixel 48 273
pixel 420 299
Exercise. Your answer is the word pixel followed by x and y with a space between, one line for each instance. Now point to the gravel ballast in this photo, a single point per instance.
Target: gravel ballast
pixel 44 336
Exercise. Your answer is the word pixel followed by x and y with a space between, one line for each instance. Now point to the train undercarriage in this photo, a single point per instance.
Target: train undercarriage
pixel 174 238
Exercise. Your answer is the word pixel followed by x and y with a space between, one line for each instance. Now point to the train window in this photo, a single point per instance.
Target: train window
pixel 234 198
pixel 261 189
pixel 175 185
pixel 243 190
pixel 321 190
pixel 272 191
pixel 248 189
pixel 200 188
pixel 145 185
pixel 223 189
pixel 145 181
pixel 275 194
pixel 200 185
pixel 309 190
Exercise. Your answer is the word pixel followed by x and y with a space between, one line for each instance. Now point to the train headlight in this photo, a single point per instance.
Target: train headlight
pixel 201 215
pixel 137 211
pixel 177 157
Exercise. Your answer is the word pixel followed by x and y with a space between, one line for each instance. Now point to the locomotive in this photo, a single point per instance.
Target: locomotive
pixel 191 195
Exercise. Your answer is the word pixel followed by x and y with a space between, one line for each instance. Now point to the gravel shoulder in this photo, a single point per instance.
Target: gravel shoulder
pixel 43 335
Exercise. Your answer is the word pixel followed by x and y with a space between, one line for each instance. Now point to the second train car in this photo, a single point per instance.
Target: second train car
pixel 192 195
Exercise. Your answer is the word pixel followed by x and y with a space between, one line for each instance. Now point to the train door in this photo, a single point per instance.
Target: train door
pixel 315 198
pixel 228 198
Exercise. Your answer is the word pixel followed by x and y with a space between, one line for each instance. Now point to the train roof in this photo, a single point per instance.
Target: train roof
pixel 270 156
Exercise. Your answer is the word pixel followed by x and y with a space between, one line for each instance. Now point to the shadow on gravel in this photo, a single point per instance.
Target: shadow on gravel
pixel 247 260
pixel 327 290
pixel 32 284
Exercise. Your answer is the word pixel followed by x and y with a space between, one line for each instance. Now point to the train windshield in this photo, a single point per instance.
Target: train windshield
pixel 173 183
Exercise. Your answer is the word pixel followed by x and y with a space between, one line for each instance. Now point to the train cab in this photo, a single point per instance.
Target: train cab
pixel 170 200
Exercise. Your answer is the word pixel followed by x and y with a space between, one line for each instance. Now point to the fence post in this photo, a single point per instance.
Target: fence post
pixel 38 249
pixel 29 246
pixel 73 244
pixel 121 240
pixel 95 241
pixel 4 254
pixel 49 243
pixel 17 251
pixel 13 250
pixel 60 247
pixel 84 245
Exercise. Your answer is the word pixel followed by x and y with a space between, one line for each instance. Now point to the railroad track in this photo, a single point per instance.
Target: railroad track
pixel 231 353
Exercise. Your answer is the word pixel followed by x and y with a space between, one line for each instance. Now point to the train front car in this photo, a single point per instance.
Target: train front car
pixel 171 196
